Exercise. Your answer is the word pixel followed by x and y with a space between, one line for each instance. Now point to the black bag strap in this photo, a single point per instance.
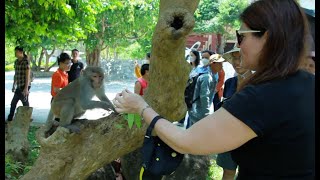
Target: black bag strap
pixel 151 126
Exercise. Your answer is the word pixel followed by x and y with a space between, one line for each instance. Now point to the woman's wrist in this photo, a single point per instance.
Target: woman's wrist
pixel 143 109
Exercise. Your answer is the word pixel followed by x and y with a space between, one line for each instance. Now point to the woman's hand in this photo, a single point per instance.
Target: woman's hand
pixel 128 102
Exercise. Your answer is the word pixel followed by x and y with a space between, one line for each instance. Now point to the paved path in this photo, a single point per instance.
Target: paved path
pixel 40 97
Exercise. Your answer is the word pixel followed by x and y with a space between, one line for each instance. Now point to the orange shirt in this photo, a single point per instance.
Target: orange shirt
pixel 220 83
pixel 59 80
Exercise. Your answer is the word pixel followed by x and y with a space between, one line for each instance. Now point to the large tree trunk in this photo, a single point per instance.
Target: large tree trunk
pixel 76 156
pixel 16 142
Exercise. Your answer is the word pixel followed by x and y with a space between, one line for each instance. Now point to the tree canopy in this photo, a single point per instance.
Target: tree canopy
pixel 49 23
pixel 219 16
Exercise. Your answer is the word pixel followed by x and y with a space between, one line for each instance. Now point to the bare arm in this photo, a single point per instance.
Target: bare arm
pixel 220 83
pixel 14 83
pixel 137 87
pixel 216 133
pixel 102 96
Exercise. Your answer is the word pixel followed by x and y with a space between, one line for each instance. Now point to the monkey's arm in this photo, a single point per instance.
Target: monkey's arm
pixel 102 96
pixel 96 104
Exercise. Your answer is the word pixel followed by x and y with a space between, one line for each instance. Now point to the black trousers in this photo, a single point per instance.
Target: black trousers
pixel 216 100
pixel 16 97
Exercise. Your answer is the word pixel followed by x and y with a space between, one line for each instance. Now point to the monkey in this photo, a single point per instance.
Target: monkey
pixel 73 100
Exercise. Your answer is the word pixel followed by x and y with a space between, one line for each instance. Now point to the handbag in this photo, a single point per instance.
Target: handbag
pixel 157 157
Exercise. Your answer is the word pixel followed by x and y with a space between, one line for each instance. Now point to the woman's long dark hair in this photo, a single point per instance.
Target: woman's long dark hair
pixel 197 61
pixel 286 26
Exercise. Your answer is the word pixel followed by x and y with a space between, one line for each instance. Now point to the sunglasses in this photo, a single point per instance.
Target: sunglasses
pixel 240 33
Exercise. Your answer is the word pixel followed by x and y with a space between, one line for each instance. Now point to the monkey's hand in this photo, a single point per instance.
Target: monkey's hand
pixel 73 128
pixel 108 106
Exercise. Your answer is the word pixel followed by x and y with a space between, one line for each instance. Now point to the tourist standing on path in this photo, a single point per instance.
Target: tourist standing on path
pixel 137 68
pixel 203 94
pixel 60 77
pixel 270 138
pixel 76 67
pixel 142 83
pixel 21 81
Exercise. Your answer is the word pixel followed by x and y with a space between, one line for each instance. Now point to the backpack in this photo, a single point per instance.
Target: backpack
pixel 189 91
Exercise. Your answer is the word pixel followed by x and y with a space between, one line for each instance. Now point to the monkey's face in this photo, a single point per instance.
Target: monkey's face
pixel 96 80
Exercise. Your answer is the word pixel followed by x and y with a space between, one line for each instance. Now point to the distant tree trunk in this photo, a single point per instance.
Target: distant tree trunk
pixel 76 156
pixel 48 56
pixel 16 141
pixel 93 56
pixel 221 43
pixel 32 59
pixel 41 57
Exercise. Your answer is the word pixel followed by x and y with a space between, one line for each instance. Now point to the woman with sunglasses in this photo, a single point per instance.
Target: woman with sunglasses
pixel 268 124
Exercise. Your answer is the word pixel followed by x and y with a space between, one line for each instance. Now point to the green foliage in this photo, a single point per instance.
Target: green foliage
pixel 9 67
pixel 122 24
pixel 12 168
pixel 133 119
pixel 219 16
pixel 9 53
pixel 45 23
pixel 215 171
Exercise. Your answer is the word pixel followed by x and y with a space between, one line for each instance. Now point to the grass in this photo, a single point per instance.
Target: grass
pixel 15 170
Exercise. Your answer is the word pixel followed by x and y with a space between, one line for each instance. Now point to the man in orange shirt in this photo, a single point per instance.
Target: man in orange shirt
pixel 219 89
pixel 60 77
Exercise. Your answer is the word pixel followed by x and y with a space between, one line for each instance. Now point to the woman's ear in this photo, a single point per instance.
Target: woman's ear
pixel 265 36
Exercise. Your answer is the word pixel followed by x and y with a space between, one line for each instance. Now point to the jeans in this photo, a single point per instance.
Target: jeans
pixel 16 97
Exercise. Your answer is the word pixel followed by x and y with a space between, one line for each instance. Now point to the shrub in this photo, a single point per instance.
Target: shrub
pixel 9 67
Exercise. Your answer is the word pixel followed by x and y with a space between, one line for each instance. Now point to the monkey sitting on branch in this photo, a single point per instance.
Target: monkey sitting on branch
pixel 73 100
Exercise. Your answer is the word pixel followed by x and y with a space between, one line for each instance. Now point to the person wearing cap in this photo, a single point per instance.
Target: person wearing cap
pixel 269 123
pixel 21 81
pixel 224 160
pixel 203 94
pixel 76 67
pixel 220 79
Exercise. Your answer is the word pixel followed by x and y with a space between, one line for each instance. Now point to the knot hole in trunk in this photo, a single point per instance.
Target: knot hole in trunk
pixel 177 22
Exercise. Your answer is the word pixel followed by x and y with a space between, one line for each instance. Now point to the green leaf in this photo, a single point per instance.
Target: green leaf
pixel 130 120
pixel 137 120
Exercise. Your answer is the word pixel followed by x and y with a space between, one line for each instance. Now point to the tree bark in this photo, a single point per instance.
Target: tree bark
pixel 16 141
pixel 76 156
pixel 93 56
pixel 40 58
pixel 46 68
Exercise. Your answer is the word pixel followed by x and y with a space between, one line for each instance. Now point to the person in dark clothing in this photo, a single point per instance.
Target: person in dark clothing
pixel 76 67
pixel 224 160
pixel 21 81
pixel 268 124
